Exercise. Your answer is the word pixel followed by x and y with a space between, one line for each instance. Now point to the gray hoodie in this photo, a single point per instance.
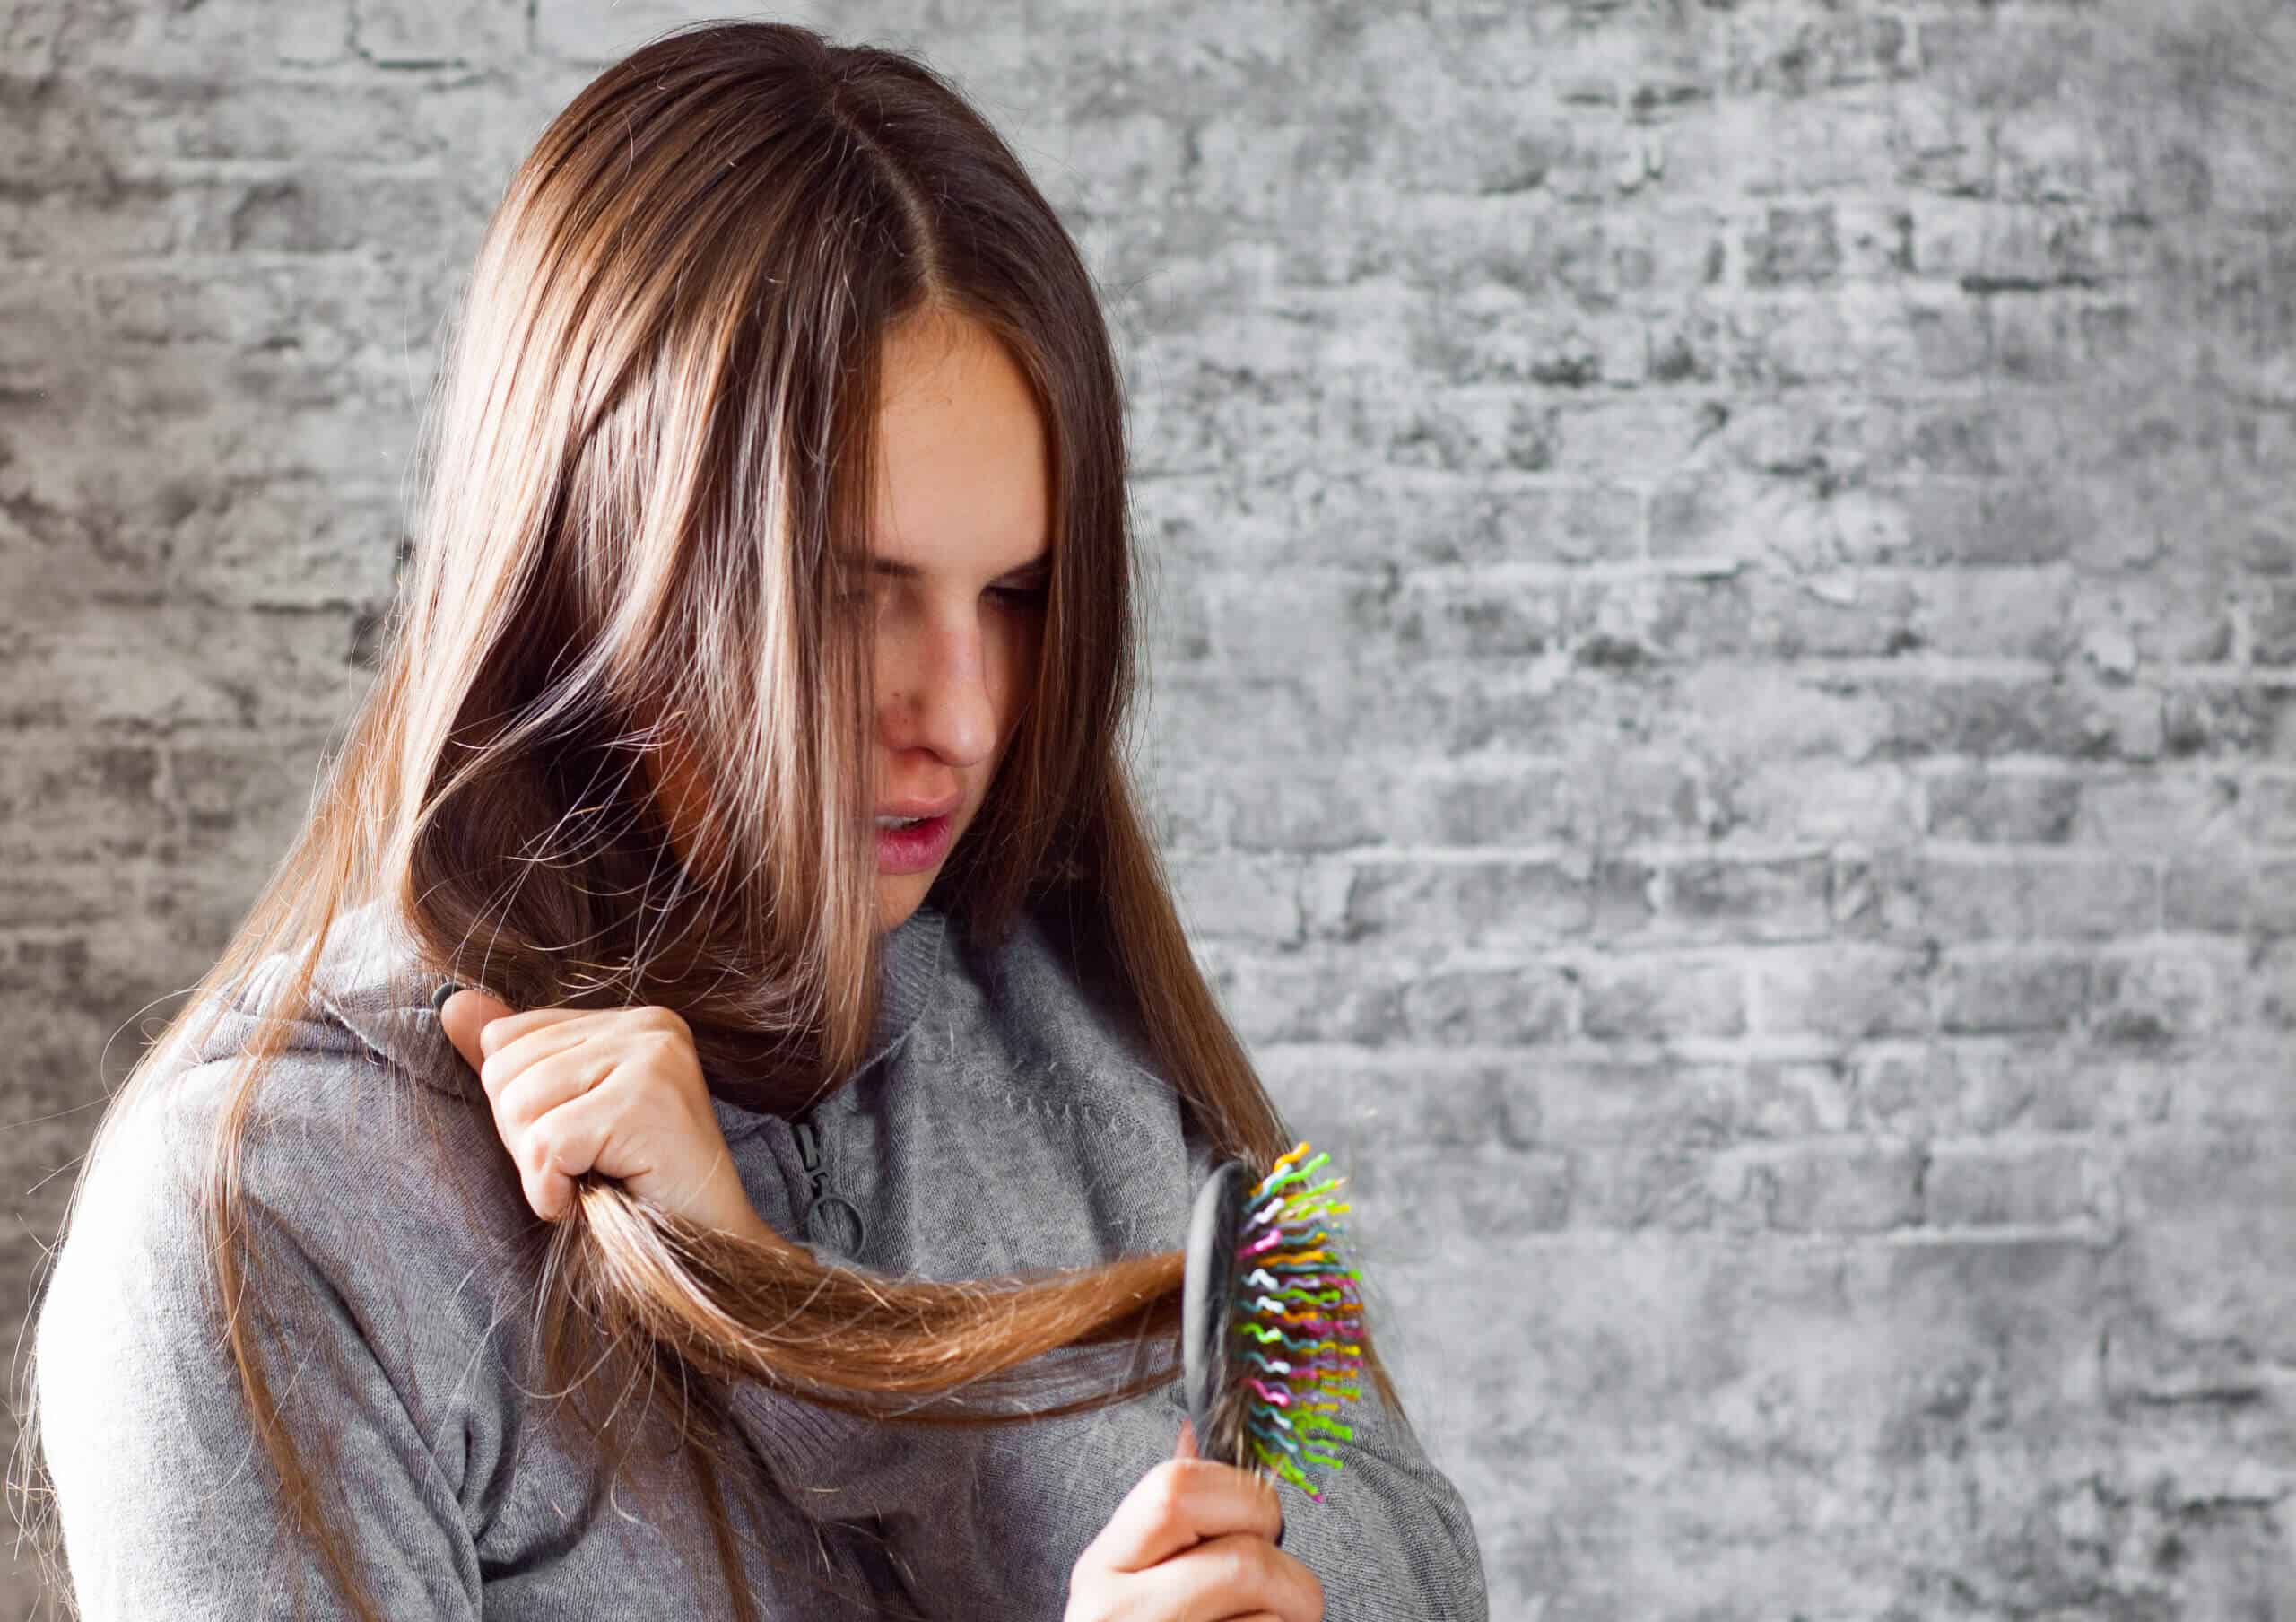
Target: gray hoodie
pixel 1006 1121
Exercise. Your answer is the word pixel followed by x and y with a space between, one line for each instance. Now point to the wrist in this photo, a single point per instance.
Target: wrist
pixel 748 1225
pixel 729 1211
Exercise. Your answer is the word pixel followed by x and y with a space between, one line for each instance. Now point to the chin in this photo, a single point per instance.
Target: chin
pixel 898 897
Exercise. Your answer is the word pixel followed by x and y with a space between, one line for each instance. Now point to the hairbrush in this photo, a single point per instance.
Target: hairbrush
pixel 1270 1320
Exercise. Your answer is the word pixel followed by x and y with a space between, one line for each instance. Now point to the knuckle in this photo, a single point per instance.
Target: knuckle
pixel 540 1149
pixel 1092 1596
pixel 1170 1489
pixel 1239 1564
pixel 684 1054
pixel 1254 1561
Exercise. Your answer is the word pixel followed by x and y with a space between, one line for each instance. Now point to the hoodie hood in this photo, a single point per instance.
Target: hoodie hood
pixel 369 984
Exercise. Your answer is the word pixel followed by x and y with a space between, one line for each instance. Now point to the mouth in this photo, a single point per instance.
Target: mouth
pixel 905 846
pixel 917 810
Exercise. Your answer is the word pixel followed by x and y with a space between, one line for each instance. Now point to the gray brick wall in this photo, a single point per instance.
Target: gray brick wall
pixel 1724 693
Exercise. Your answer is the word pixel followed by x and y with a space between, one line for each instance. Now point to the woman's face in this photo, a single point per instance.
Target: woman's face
pixel 959 545
pixel 959 548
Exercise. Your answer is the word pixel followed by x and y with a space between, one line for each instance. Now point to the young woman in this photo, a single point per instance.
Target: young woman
pixel 785 1221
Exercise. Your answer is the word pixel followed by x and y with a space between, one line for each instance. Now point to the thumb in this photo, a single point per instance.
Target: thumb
pixel 1185 1449
pixel 464 1012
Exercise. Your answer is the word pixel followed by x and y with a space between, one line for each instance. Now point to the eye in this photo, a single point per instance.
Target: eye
pixel 1020 596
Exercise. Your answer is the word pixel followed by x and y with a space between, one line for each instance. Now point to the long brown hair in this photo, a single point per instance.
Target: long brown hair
pixel 647 476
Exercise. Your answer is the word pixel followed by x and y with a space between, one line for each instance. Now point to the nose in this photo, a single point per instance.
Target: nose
pixel 934 686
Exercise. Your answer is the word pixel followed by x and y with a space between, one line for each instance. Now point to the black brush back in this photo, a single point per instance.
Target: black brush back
pixel 1207 1302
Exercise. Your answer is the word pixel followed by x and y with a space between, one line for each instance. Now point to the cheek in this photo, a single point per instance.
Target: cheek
pixel 1015 677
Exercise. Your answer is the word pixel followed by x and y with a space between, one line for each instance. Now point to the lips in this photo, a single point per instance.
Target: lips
pixel 927 808
pixel 914 849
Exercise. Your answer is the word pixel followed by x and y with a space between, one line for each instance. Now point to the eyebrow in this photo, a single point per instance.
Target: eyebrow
pixel 1039 564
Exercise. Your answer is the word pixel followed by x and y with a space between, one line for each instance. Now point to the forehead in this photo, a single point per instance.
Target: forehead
pixel 963 466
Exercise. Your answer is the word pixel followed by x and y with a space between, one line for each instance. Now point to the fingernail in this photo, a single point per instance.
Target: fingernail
pixel 447 987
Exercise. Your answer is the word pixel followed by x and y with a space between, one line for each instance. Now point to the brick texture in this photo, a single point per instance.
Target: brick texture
pixel 1723 692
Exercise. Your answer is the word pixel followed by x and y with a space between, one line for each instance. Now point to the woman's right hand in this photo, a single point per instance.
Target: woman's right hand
pixel 1192 1541
pixel 615 1091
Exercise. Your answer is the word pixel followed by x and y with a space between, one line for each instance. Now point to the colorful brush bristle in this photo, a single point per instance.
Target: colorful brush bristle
pixel 1271 1320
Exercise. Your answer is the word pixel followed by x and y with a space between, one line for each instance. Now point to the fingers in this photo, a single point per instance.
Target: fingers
pixel 469 1016
pixel 463 1014
pixel 538 1069
pixel 512 1030
pixel 510 1065
pixel 1239 1575
pixel 1184 1448
pixel 615 1091
pixel 566 1136
pixel 1181 1503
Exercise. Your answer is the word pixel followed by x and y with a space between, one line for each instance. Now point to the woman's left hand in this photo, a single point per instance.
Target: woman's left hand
pixel 618 1091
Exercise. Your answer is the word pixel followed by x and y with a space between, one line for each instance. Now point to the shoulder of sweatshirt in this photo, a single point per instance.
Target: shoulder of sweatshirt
pixel 1045 1092
pixel 1041 1015
pixel 398 1268
pixel 1101 1034
pixel 367 1110
pixel 380 1200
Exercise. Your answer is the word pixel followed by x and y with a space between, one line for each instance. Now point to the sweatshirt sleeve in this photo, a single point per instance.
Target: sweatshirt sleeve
pixel 1392 1537
pixel 167 1503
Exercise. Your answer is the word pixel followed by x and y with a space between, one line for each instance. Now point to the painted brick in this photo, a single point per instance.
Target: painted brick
pixel 2268 814
pixel 2018 1184
pixel 1825 1186
pixel 1994 808
pixel 1650 998
pixel 2026 991
pixel 1842 991
pixel 1497 903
